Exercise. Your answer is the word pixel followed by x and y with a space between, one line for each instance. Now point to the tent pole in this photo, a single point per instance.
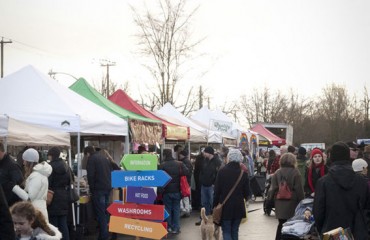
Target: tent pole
pixel 73 205
pixel 127 140
pixel 78 173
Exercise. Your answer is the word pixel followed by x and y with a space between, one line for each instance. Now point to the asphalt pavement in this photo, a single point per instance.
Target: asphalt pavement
pixel 258 226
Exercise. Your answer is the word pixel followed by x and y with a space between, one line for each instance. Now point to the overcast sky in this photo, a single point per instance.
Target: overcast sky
pixel 291 44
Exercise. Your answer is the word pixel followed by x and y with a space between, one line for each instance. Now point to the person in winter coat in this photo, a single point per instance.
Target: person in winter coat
pixel 99 170
pixel 233 210
pixel 208 174
pixel 6 222
pixel 171 192
pixel 302 162
pixel 10 175
pixel 59 182
pixel 341 196
pixel 185 206
pixel 284 208
pixel 37 183
pixel 315 170
pixel 30 223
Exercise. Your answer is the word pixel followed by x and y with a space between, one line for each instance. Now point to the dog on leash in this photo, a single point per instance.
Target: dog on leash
pixel 209 230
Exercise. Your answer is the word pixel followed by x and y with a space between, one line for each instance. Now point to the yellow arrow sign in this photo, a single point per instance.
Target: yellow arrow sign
pixel 135 227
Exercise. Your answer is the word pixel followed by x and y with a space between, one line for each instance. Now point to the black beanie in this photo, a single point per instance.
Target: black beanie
pixel 339 152
pixel 54 152
pixel 302 151
pixel 209 150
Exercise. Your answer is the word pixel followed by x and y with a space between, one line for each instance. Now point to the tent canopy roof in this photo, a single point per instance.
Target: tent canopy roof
pixel 275 140
pixel 82 87
pixel 45 102
pixel 171 130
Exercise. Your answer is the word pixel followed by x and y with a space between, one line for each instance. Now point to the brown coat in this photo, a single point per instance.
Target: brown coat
pixel 284 209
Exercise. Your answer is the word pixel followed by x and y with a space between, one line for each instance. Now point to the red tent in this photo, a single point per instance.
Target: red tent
pixel 170 130
pixel 275 140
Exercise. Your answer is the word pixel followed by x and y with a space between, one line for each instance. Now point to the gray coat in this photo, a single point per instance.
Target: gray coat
pixel 284 209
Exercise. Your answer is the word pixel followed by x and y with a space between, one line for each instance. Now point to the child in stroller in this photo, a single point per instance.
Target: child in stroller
pixel 301 225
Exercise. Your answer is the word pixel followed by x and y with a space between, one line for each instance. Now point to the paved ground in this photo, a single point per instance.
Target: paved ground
pixel 257 227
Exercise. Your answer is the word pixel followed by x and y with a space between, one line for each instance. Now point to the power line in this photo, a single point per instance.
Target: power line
pixel 2 42
pixel 107 64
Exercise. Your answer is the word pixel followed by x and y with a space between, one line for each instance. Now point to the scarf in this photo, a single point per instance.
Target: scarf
pixel 322 173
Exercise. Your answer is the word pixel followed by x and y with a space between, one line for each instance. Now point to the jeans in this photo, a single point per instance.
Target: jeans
pixel 61 223
pixel 207 198
pixel 230 229
pixel 172 204
pixel 101 201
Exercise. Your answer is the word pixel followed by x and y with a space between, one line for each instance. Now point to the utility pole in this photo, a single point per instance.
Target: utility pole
pixel 107 64
pixel 2 42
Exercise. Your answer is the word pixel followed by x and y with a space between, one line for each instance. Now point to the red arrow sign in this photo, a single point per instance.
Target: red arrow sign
pixel 137 211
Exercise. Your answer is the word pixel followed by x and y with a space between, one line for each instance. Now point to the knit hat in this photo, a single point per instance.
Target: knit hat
pixel 339 152
pixel 54 152
pixel 359 164
pixel 234 155
pixel 31 155
pixel 316 151
pixel 302 151
pixel 209 150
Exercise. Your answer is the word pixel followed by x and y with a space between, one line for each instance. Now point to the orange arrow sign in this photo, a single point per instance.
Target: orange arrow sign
pixel 139 228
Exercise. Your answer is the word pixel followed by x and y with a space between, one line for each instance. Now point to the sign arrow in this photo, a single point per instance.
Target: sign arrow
pixel 137 211
pixel 135 227
pixel 158 178
pixel 139 162
pixel 143 195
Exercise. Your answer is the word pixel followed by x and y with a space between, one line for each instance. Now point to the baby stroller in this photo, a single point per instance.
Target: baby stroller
pixel 302 224
pixel 257 183
pixel 268 206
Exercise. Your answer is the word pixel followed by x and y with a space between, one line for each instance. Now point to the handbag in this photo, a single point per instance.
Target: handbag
pixel 49 197
pixel 284 192
pixel 217 211
pixel 73 195
pixel 184 185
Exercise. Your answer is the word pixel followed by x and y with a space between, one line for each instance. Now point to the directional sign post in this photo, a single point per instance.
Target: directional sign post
pixel 139 162
pixel 135 227
pixel 144 195
pixel 149 178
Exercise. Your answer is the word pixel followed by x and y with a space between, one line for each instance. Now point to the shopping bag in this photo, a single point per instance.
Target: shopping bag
pixel 184 187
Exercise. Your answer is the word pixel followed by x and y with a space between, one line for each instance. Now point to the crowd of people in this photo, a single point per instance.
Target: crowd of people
pixel 337 179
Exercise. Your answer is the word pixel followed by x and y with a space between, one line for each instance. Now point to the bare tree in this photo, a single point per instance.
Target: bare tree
pixel 164 39
pixel 102 87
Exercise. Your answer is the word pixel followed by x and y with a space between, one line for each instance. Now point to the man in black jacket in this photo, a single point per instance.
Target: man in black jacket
pixel 10 175
pixel 208 175
pixel 341 196
pixel 99 171
pixel 171 192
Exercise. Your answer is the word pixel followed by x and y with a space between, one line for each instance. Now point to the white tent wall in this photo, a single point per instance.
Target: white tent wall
pixel 18 133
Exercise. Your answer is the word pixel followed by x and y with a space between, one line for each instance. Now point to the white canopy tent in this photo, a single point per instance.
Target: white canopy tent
pixel 171 114
pixel 31 96
pixel 18 133
pixel 218 128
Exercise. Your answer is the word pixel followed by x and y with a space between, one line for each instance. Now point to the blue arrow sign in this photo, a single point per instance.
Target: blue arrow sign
pixel 166 215
pixel 158 178
pixel 142 195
